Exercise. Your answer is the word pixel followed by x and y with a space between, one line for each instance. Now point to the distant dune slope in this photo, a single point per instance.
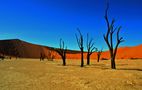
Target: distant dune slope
pixel 20 48
pixel 16 47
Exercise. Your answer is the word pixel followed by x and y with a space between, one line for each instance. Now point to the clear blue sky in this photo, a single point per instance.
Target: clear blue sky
pixel 46 21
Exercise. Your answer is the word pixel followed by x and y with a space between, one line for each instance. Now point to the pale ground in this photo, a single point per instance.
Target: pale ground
pixel 30 74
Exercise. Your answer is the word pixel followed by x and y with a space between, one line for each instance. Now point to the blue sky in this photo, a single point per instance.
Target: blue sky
pixel 46 21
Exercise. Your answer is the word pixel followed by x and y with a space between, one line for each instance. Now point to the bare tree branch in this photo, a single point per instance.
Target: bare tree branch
pixel 108 37
pixel 62 51
pixel 90 48
pixel 80 45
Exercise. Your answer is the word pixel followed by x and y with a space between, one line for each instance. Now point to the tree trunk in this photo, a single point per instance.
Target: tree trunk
pixel 82 62
pixel 112 59
pixel 113 63
pixel 88 59
pixel 98 58
pixel 64 61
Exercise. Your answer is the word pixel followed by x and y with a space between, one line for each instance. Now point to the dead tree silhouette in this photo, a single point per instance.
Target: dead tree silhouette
pixel 108 37
pixel 42 56
pixel 62 51
pixel 80 45
pixel 50 55
pixel 90 48
pixel 99 52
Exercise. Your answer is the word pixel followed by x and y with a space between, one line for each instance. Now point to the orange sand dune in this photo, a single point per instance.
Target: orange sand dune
pixel 122 53
pixel 16 47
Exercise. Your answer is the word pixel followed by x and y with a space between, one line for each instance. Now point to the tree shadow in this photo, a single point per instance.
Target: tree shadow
pixel 98 66
pixel 71 65
pixel 131 69
pixel 122 64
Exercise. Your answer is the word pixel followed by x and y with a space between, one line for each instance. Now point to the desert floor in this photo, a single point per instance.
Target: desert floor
pixel 31 74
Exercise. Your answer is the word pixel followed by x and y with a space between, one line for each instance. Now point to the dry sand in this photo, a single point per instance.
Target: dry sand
pixel 30 74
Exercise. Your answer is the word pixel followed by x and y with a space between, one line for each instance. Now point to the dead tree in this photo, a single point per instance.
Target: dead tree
pixel 90 48
pixel 62 51
pixel 80 45
pixel 42 56
pixel 108 37
pixel 99 52
pixel 50 55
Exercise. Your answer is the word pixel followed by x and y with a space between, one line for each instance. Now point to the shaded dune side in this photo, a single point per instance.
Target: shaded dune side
pixel 20 48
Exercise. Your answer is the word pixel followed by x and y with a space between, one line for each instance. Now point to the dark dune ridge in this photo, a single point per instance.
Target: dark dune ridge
pixel 23 49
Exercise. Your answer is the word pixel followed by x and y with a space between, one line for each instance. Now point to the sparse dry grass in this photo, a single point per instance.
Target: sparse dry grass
pixel 30 74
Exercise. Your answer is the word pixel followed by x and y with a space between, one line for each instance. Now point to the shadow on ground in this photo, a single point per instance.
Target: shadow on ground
pixel 133 69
